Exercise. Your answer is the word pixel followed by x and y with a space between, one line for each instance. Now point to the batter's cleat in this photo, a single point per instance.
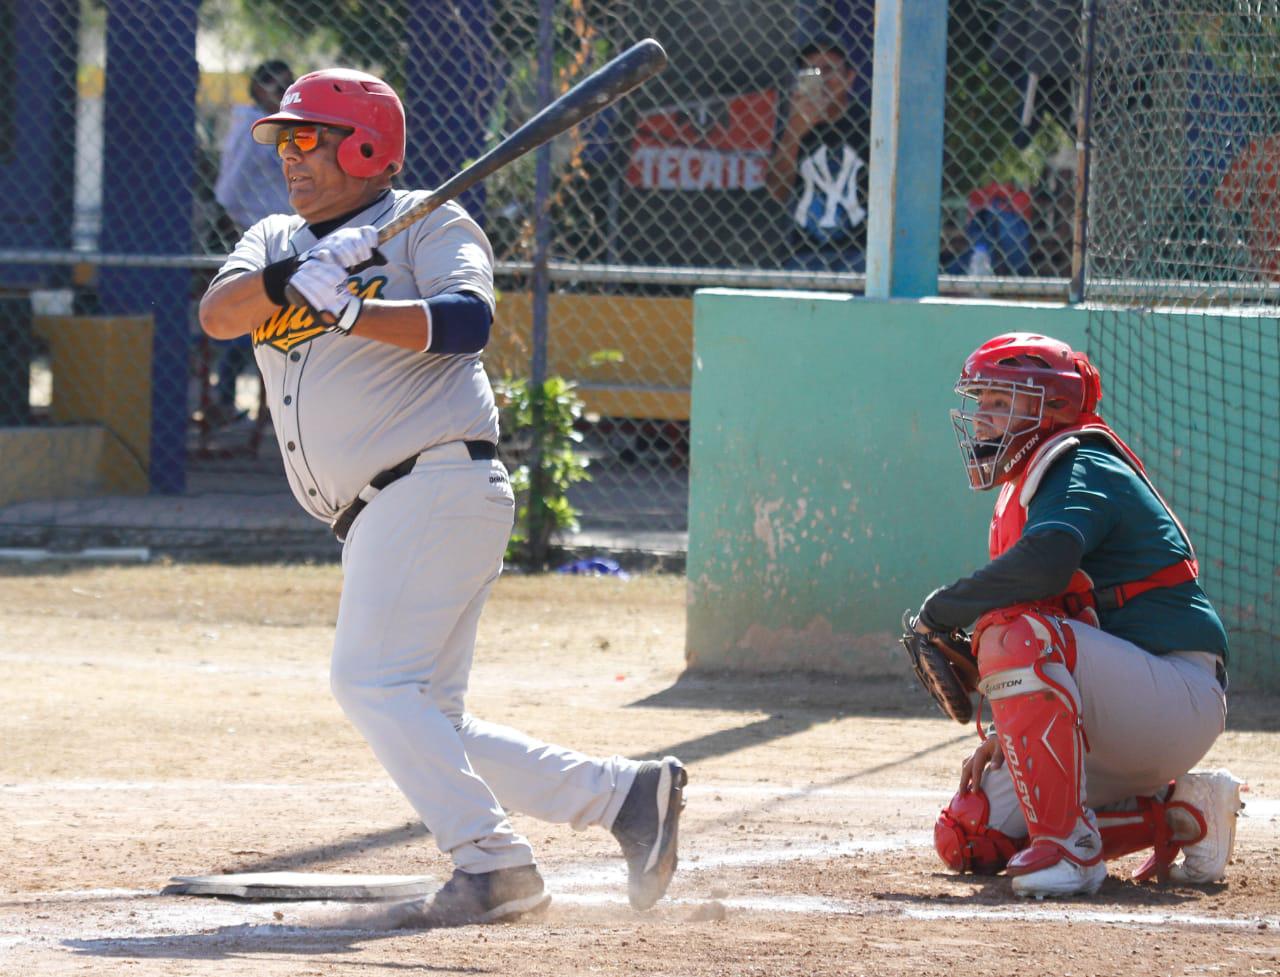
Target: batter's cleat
pixel 1064 878
pixel 484 897
pixel 647 828
pixel 1215 796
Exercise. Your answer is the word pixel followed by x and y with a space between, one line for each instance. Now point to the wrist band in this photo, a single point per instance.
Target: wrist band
pixel 276 276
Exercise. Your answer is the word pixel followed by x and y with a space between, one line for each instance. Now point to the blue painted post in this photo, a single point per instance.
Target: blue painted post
pixel 450 85
pixel 907 98
pixel 37 144
pixel 148 171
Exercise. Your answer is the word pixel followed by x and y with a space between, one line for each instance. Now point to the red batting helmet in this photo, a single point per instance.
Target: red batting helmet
pixel 351 100
pixel 1058 387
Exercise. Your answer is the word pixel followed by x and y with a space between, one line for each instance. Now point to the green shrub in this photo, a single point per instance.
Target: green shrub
pixel 540 447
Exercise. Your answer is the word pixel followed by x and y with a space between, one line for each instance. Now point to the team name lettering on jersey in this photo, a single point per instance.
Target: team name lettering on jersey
pixel 295 325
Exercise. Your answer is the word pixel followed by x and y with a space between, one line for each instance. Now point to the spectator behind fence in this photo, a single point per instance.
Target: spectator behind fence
pixel 818 165
pixel 250 186
pixel 1250 187
pixel 998 231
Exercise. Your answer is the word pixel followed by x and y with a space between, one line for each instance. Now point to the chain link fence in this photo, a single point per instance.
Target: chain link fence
pixel 1009 173
pixel 127 175
pixel 1184 256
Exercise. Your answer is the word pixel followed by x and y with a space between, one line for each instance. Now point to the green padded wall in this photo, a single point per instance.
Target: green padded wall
pixel 827 493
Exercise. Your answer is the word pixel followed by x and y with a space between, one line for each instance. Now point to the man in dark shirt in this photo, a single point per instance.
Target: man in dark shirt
pixel 818 166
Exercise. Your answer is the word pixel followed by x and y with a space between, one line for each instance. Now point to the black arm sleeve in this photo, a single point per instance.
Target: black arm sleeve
pixel 1035 566
pixel 460 323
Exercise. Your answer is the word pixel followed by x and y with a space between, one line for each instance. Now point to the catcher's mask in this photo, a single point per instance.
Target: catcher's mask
pixel 1015 390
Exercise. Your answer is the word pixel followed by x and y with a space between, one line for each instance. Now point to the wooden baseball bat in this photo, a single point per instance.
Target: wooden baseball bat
pixel 597 91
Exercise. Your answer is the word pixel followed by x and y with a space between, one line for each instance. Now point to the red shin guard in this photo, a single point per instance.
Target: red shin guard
pixel 1025 659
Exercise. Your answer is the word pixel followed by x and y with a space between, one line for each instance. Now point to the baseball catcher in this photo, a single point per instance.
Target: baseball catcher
pixel 1102 659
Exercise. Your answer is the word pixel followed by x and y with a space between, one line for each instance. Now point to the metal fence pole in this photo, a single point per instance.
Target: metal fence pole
pixel 1080 223
pixel 905 185
pixel 541 289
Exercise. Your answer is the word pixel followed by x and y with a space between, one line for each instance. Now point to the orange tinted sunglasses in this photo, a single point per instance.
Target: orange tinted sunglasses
pixel 306 138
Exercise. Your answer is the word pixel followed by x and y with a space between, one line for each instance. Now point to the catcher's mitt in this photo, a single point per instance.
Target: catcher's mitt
pixel 945 665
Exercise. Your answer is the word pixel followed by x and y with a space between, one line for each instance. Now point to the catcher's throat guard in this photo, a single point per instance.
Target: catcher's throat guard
pixel 945 665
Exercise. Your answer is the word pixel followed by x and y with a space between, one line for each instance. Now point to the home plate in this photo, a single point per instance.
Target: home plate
pixel 283 886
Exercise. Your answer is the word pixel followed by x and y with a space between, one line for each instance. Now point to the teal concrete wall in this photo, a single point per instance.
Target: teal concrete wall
pixel 827 493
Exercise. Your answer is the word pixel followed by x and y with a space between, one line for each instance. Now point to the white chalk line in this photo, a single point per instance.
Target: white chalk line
pixel 764 791
pixel 319 921
pixel 1256 806
pixel 165 663
pixel 583 885
pixel 1042 912
pixel 180 786
pixel 586 877
pixel 154 917
pixel 75 895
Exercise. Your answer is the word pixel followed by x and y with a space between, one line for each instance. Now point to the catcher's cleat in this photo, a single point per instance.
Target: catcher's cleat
pixel 1063 878
pixel 483 897
pixel 647 827
pixel 1213 795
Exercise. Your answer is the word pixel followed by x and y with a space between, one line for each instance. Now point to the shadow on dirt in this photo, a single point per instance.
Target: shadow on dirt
pixel 818 694
pixel 805 698
pixel 794 702
pixel 248 940
pixel 300 859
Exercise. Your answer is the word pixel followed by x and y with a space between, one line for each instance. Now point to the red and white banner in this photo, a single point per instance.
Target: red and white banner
pixel 709 145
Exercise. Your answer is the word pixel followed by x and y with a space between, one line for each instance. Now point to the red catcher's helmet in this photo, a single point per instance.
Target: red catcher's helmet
pixel 1046 385
pixel 366 105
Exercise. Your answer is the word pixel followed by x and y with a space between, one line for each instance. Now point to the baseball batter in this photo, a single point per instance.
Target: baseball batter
pixel 387 427
pixel 1103 660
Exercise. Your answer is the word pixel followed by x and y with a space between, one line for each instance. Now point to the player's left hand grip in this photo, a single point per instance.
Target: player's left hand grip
pixel 295 298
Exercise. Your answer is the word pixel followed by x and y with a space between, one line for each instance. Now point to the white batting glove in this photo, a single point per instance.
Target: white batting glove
pixel 323 285
pixel 347 247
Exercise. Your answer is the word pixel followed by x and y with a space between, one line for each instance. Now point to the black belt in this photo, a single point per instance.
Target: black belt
pixel 1220 671
pixel 478 450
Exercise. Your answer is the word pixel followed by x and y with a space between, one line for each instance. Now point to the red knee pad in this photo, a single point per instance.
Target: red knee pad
pixel 1031 634
pixel 965 841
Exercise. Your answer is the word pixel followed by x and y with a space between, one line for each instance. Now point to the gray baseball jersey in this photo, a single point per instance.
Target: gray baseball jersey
pixel 345 408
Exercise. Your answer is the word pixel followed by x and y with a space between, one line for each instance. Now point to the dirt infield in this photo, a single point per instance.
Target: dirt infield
pixel 175 719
